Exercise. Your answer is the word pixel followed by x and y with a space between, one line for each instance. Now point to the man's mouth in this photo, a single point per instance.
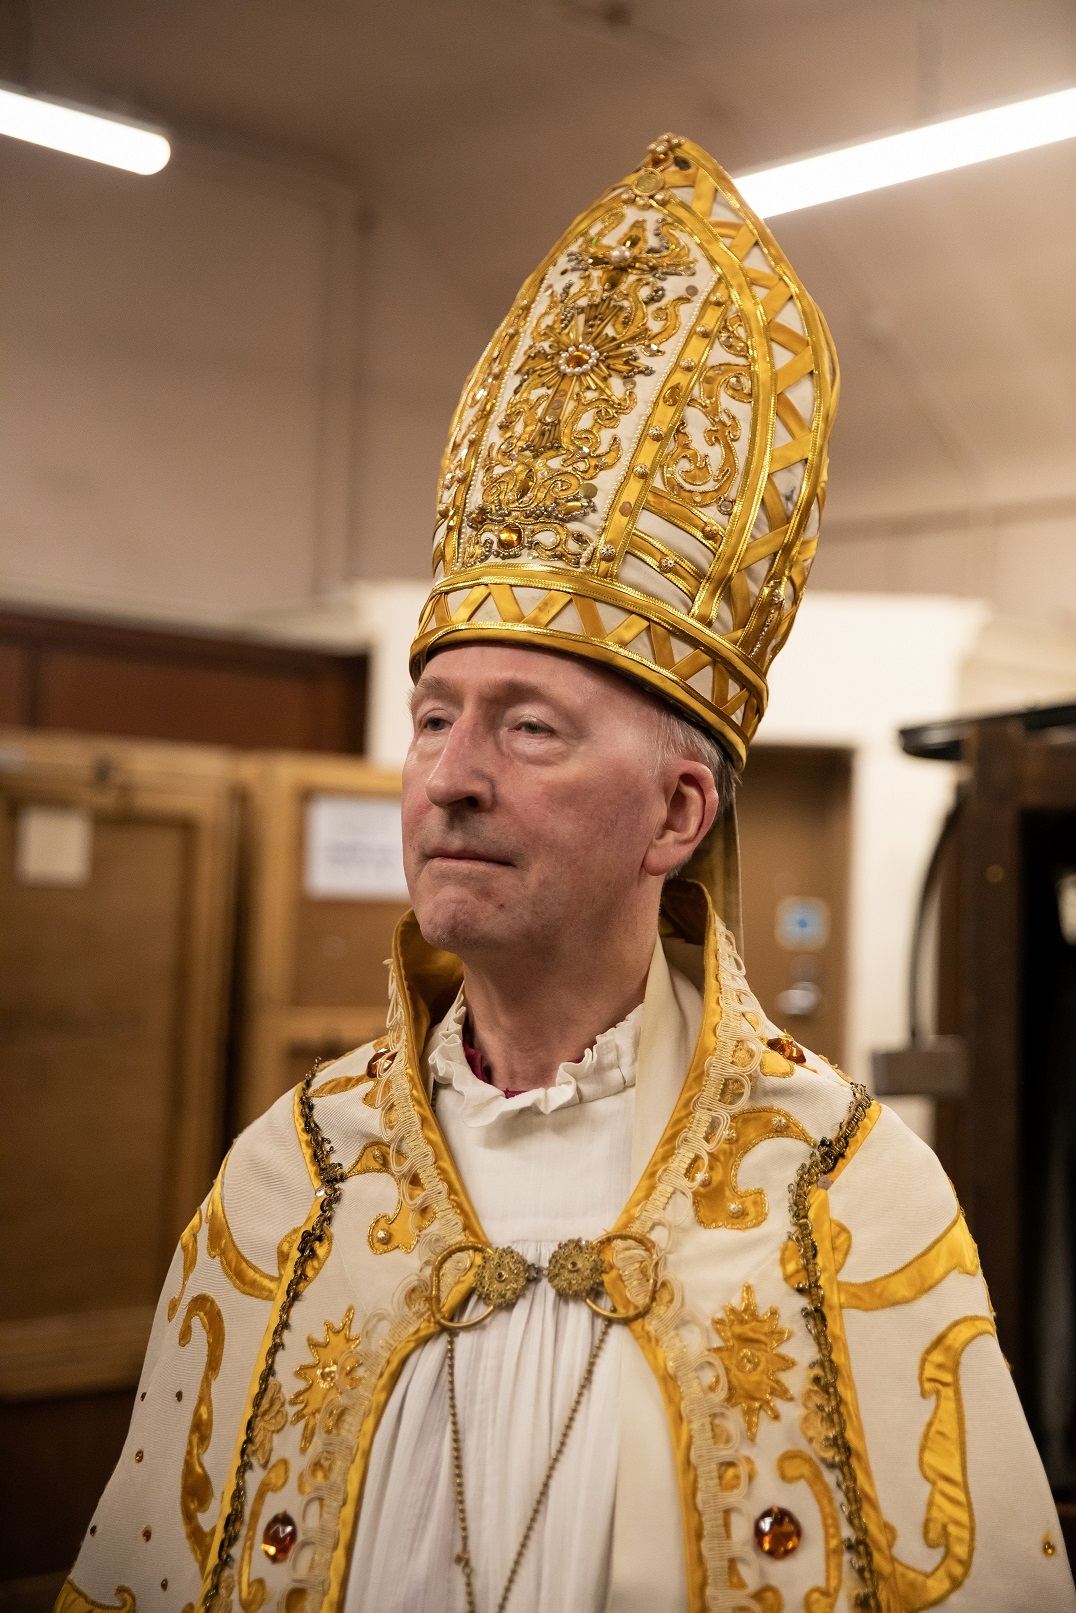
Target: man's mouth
pixel 467 854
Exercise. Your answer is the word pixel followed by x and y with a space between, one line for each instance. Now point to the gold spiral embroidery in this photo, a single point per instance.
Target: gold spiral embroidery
pixel 188 1242
pixel 253 1592
pixel 943 1462
pixel 196 1487
pixel 795 1465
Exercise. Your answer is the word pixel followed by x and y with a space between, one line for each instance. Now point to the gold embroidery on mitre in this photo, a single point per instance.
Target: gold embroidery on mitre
pixel 573 386
pixel 949 1523
pixel 636 468
pixel 325 1376
pixel 73 1600
pixel 188 1243
pixel 752 1361
pixel 270 1417
pixel 796 1465
pixel 195 1486
pixel 718 1199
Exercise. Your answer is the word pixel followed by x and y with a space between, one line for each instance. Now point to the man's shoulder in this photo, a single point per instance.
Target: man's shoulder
pixel 268 1181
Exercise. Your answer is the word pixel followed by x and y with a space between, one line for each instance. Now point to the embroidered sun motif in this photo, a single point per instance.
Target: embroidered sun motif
pixel 323 1375
pixel 752 1361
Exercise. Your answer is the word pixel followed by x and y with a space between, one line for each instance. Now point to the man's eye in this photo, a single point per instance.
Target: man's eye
pixel 434 725
pixel 530 725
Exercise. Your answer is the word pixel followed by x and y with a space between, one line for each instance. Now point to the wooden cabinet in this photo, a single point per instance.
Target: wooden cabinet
pixel 313 965
pixel 117 882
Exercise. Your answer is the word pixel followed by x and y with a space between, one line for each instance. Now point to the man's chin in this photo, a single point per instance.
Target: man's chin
pixel 461 921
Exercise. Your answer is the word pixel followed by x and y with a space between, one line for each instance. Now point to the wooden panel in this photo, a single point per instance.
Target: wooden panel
pixel 340 951
pixel 14 683
pixel 315 980
pixel 58 1457
pixel 90 994
pixel 793 809
pixel 103 678
pixel 990 877
pixel 112 1008
pixel 112 997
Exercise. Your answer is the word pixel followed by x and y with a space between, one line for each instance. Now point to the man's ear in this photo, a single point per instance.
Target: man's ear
pixel 691 805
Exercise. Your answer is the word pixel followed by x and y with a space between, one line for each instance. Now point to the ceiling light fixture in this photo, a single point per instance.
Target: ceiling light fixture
pixel 933 148
pixel 62 127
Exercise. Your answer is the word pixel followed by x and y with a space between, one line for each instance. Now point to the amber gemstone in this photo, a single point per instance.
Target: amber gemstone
pixel 509 537
pixel 787 1048
pixel 777 1532
pixel 279 1537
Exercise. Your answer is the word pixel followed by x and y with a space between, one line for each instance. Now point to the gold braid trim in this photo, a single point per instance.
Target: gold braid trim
pixel 707 1432
pixel 334 1479
pixel 332 1177
pixel 822 1161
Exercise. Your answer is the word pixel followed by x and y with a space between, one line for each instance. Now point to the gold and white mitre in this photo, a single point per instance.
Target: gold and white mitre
pixel 637 466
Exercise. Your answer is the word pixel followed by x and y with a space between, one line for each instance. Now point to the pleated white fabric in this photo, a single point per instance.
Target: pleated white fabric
pixel 540 1168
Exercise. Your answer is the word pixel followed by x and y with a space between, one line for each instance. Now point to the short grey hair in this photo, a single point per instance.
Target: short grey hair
pixel 678 737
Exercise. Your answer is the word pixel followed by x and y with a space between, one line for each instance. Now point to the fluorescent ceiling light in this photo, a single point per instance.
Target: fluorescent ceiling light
pixel 934 148
pixel 82 134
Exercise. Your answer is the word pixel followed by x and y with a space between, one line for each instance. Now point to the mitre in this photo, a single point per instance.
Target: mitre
pixel 637 465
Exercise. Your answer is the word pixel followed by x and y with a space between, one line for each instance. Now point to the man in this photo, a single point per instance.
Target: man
pixel 585 1286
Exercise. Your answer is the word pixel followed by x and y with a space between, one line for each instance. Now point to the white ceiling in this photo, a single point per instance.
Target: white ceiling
pixel 488 123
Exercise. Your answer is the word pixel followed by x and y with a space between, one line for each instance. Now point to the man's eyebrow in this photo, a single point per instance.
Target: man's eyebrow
pixel 500 693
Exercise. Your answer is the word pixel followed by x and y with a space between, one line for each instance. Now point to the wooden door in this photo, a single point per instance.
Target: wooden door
pixel 313 959
pixel 793 809
pixel 116 881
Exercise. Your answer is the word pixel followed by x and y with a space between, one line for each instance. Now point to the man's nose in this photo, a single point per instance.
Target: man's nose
pixel 462 773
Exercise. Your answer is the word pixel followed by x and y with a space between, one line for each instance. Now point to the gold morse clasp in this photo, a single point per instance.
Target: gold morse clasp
pixel 576 1270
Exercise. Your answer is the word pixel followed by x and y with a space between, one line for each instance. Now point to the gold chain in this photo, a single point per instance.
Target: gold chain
pixel 463 1557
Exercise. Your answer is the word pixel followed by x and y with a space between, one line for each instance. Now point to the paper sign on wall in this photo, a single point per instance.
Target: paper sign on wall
pixel 353 848
pixel 53 846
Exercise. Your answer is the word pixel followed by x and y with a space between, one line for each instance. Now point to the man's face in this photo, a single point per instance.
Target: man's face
pixel 530 796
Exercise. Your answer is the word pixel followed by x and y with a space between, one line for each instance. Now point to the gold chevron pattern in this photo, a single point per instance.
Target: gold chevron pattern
pixel 636 469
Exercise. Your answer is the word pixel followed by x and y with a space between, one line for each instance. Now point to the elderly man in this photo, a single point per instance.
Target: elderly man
pixel 585 1286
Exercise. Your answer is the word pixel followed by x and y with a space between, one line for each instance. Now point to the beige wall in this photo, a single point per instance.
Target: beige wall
pixel 224 392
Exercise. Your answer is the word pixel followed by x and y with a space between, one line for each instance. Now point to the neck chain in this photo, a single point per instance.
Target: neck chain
pixel 575 1271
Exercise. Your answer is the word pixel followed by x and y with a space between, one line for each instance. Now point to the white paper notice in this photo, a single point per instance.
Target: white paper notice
pixel 53 846
pixel 353 848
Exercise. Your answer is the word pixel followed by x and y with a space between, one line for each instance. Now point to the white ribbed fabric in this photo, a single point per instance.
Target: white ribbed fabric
pixel 542 1167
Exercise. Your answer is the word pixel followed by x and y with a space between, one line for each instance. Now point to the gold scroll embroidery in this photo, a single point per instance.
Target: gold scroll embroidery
pixel 72 1600
pixel 241 1272
pixel 796 1465
pixel 753 1364
pixel 575 386
pixel 188 1242
pixel 270 1417
pixel 252 1592
pixel 401 1229
pixel 953 1250
pixel 196 1487
pixel 718 1199
pixel 943 1461
pixel 323 1375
